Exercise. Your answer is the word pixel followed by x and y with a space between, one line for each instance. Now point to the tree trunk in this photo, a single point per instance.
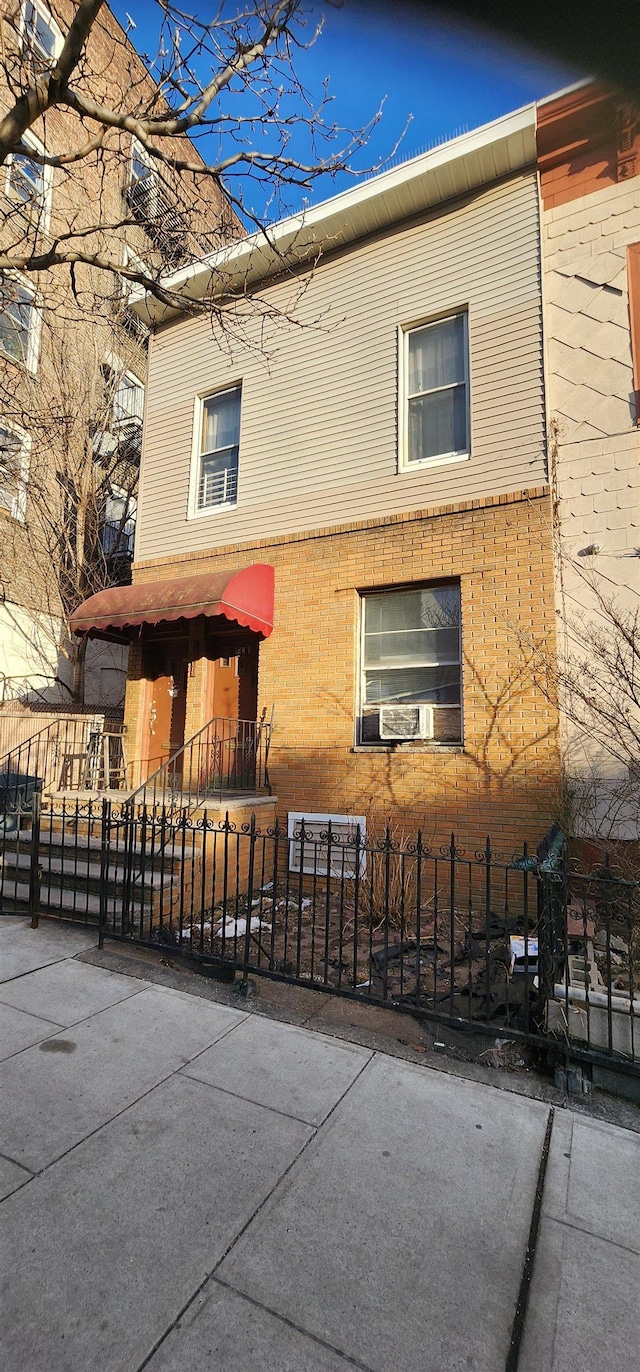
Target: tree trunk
pixel 77 671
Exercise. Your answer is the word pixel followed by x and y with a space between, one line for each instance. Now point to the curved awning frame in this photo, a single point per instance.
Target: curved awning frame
pixel 242 596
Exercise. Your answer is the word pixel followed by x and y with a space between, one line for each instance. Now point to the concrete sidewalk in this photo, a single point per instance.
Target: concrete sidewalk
pixel 190 1186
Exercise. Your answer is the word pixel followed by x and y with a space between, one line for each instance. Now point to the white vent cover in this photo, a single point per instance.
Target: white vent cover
pixel 343 851
pixel 406 721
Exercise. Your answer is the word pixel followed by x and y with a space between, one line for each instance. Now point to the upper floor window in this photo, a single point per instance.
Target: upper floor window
pixel 123 411
pixel 119 523
pixel 127 319
pixel 29 184
pixel 411 673
pixel 128 401
pixel 217 472
pixel 434 392
pixel 14 470
pixel 41 33
pixel 143 183
pixel 19 322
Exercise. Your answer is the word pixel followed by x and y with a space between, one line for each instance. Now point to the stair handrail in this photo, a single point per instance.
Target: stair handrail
pixel 11 762
pixel 157 782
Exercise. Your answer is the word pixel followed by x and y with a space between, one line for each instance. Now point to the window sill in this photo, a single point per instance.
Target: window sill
pixel 17 361
pixel 442 460
pixel 213 510
pixel 408 747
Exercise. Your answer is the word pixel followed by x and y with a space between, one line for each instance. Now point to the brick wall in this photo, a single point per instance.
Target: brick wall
pixel 505 778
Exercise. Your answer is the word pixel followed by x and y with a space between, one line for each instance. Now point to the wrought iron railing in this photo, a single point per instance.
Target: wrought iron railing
pixel 225 756
pixel 474 940
pixel 527 947
pixel 70 752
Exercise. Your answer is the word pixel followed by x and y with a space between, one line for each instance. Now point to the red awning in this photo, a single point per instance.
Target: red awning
pixel 243 597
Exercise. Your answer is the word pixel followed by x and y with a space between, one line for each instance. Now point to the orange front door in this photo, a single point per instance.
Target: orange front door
pixel 224 700
pixel 167 708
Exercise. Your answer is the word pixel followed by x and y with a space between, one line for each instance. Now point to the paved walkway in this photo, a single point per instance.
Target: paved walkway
pixel 188 1187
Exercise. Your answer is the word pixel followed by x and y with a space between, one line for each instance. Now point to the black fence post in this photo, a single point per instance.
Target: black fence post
pixel 105 829
pixel 34 865
pixel 247 931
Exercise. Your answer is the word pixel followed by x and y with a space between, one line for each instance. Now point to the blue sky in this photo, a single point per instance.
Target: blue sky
pixel 446 78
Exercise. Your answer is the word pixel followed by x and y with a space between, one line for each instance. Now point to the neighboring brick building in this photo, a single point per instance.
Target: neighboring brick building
pixel 73 357
pixel 589 162
pixel 375 433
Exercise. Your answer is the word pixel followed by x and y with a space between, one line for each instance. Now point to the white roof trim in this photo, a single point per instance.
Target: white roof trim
pixel 475 159
pixel 567 90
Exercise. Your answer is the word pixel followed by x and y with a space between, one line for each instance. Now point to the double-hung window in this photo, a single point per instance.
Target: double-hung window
pixel 26 182
pixel 29 185
pixel 128 401
pixel 19 322
pixel 217 472
pixel 411 674
pixel 434 392
pixel 143 184
pixel 41 35
pixel 14 470
pixel 119 525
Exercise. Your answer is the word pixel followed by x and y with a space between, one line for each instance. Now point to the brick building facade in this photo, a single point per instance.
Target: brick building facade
pixel 77 363
pixel 504 778
pixel 390 467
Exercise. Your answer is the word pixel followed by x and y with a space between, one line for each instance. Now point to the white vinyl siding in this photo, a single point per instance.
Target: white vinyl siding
pixel 320 402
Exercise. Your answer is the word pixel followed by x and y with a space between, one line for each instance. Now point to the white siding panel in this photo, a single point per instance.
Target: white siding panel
pixel 319 404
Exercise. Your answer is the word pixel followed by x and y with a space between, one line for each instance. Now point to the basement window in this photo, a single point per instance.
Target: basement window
pixel 311 853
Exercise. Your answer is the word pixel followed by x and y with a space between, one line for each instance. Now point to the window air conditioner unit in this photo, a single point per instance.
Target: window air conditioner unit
pixel 406 721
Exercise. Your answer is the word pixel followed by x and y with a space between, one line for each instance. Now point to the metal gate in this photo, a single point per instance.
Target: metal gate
pixel 528 946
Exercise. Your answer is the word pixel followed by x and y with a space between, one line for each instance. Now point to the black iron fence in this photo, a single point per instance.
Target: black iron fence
pixel 226 755
pixel 524 945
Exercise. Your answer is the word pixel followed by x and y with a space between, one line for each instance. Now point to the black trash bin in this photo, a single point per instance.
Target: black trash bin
pixel 16 798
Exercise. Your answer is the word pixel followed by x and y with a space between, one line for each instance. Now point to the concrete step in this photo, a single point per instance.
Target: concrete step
pixel 68 869
pixel 52 898
pixel 55 843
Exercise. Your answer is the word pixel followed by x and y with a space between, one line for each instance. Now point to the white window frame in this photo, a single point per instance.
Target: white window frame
pixel 138 151
pixel 362 674
pixel 50 21
pixel 35 327
pixel 404 333
pixel 193 511
pixel 131 259
pixel 120 372
pixel 119 493
pixel 18 508
pixel 30 141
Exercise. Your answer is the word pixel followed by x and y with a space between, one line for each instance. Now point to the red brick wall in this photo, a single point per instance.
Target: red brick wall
pixel 587 140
